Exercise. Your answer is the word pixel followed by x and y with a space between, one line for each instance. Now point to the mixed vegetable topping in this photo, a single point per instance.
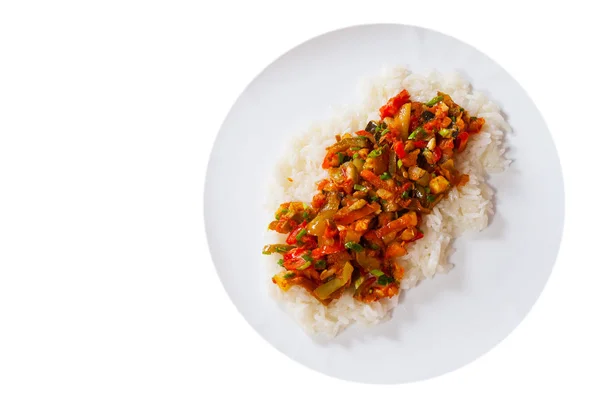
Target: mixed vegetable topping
pixel 381 181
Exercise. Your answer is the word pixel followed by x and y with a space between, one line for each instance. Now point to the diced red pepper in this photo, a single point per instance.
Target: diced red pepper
pixel 394 104
pixel 291 239
pixel 327 250
pixel 446 144
pixel 437 154
pixel 363 133
pixel 399 149
pixel 419 144
pixel 331 160
pixel 463 138
pixel 294 253
pixel 405 186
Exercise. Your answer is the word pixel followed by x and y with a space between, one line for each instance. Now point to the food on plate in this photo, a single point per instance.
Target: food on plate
pixel 382 180
pixel 365 215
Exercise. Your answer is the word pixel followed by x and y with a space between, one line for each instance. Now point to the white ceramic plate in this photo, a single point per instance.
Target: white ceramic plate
pixel 443 323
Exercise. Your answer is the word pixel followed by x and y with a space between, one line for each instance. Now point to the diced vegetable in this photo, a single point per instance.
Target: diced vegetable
pixel 328 288
pixel 348 143
pixel 463 138
pixel 375 153
pixel 359 282
pixel 371 127
pixel 353 246
pixel 427 116
pixel 395 249
pixel 277 248
pixel 424 180
pixel 411 158
pixel 399 149
pixel 435 100
pixel 415 173
pixel 428 154
pixel 403 120
pixel 439 185
pixel 445 132
pixel 380 181
pixel 301 233
pixel 431 144
pixel 415 133
pixel 394 104
pixel 407 220
pixel 318 224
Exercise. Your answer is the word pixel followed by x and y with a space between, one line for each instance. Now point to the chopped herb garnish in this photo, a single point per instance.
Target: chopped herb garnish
pixel 304 266
pixel 416 132
pixel 431 198
pixel 373 198
pixel 300 234
pixel 445 132
pixel 307 257
pixel 377 272
pixel 280 262
pixel 321 264
pixel 385 176
pixel 375 153
pixel 374 247
pixel 341 157
pixel 360 187
pixel 353 246
pixel 405 195
pixel 385 280
pixel 277 248
pixel 384 132
pixel 427 189
pixel 305 215
pixel 289 275
pixel 435 100
pixel 355 156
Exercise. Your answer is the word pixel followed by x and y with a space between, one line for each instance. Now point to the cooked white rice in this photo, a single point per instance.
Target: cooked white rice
pixel 465 209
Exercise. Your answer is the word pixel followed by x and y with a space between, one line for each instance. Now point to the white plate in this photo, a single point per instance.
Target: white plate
pixel 443 323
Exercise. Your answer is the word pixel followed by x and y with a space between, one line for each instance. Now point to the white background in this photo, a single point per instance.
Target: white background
pixel 108 296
